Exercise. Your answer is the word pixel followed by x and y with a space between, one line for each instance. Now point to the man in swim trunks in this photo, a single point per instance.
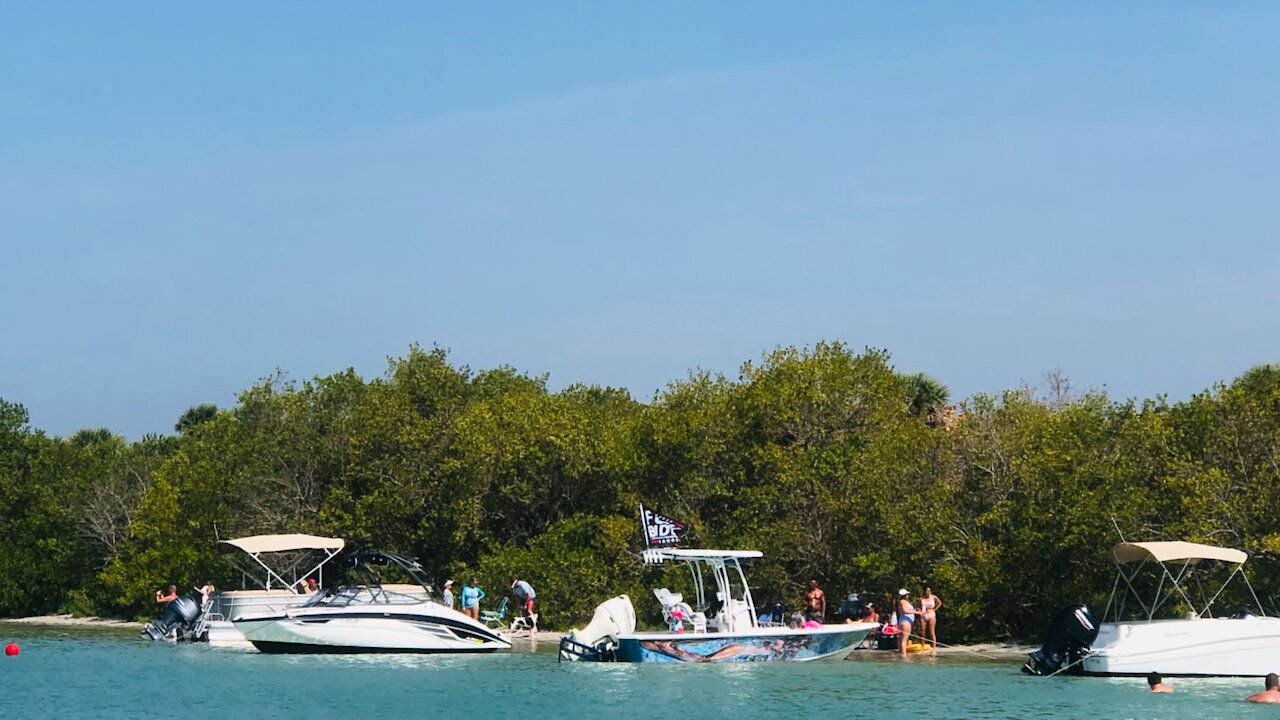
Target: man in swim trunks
pixel 525 597
pixel 1271 694
pixel 815 603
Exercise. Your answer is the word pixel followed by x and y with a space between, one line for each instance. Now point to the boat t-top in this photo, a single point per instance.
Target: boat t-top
pixel 362 615
pixel 1137 638
pixel 718 624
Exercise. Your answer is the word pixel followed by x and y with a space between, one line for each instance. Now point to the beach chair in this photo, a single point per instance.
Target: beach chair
pixel 495 618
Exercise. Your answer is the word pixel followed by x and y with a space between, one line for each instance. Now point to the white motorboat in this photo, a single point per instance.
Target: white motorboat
pixel 1196 644
pixel 368 617
pixel 722 628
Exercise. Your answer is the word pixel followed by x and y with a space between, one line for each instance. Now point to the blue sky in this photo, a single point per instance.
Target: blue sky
pixel 616 193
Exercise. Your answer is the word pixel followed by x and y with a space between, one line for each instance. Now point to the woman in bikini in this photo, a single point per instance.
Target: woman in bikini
pixel 929 604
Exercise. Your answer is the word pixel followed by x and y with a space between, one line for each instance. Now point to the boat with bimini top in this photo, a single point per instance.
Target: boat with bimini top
pixel 1145 640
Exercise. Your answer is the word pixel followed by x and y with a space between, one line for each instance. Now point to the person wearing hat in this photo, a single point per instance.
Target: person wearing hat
pixel 446 596
pixel 906 616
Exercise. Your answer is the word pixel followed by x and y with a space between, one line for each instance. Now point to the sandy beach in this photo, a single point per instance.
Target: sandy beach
pixel 71 621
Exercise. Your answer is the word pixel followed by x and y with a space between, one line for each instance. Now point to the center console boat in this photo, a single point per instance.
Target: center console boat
pixel 719 627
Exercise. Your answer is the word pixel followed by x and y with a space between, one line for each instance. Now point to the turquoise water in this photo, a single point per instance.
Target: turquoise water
pixel 92 674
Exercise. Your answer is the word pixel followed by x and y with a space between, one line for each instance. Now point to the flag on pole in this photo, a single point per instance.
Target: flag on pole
pixel 660 530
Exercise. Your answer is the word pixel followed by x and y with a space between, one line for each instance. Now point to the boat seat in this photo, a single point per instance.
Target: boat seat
pixel 676 611
pixel 667 598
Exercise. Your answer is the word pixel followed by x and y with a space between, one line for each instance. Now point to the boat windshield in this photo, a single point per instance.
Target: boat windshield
pixel 348 595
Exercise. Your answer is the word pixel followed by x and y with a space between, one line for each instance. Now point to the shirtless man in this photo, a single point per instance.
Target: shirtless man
pixel 1157 683
pixel 167 597
pixel 1271 694
pixel 815 602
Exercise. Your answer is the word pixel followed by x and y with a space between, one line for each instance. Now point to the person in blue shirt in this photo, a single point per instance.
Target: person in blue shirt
pixel 471 596
pixel 525 597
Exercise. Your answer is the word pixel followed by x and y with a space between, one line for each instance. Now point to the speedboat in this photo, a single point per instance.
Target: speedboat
pixel 1242 644
pixel 366 617
pixel 715 628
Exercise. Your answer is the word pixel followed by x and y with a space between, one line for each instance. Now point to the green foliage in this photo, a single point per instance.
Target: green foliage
pixel 826 459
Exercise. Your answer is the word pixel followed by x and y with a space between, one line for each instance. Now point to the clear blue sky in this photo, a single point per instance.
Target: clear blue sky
pixel 615 193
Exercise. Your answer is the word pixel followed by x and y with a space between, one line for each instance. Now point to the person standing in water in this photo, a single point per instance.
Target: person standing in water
pixel 906 617
pixel 929 604
pixel 471 597
pixel 167 597
pixel 1271 694
pixel 1157 683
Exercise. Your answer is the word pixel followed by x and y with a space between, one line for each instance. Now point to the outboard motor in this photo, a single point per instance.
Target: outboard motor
pixel 1068 639
pixel 851 608
pixel 612 618
pixel 180 614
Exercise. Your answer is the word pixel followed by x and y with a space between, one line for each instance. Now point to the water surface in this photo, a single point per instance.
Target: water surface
pixel 77 673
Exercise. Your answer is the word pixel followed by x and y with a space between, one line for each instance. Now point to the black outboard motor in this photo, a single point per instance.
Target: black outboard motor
pixel 179 615
pixel 1070 635
pixel 851 608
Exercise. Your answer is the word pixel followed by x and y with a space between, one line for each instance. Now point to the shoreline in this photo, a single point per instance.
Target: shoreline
pixel 71 621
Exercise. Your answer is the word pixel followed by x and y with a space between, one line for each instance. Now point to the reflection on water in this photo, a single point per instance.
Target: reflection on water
pixel 69 673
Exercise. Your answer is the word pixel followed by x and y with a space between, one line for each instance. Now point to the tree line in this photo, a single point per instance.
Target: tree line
pixel 828 460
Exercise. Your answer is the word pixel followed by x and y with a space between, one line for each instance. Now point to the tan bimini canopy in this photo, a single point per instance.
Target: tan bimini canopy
pixel 1169 551
pixel 280 543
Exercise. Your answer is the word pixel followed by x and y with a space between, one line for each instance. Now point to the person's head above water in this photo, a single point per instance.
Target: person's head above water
pixel 1273 681
pixel 1154 679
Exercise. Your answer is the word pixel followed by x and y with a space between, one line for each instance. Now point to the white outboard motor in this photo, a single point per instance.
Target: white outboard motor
pixel 612 618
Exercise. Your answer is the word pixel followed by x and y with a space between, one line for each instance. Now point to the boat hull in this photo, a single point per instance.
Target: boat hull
pixel 231 605
pixel 829 642
pixel 1207 647
pixel 348 631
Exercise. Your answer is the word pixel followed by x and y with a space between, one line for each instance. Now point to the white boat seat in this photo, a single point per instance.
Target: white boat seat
pixel 667 598
pixel 699 623
pixel 676 611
